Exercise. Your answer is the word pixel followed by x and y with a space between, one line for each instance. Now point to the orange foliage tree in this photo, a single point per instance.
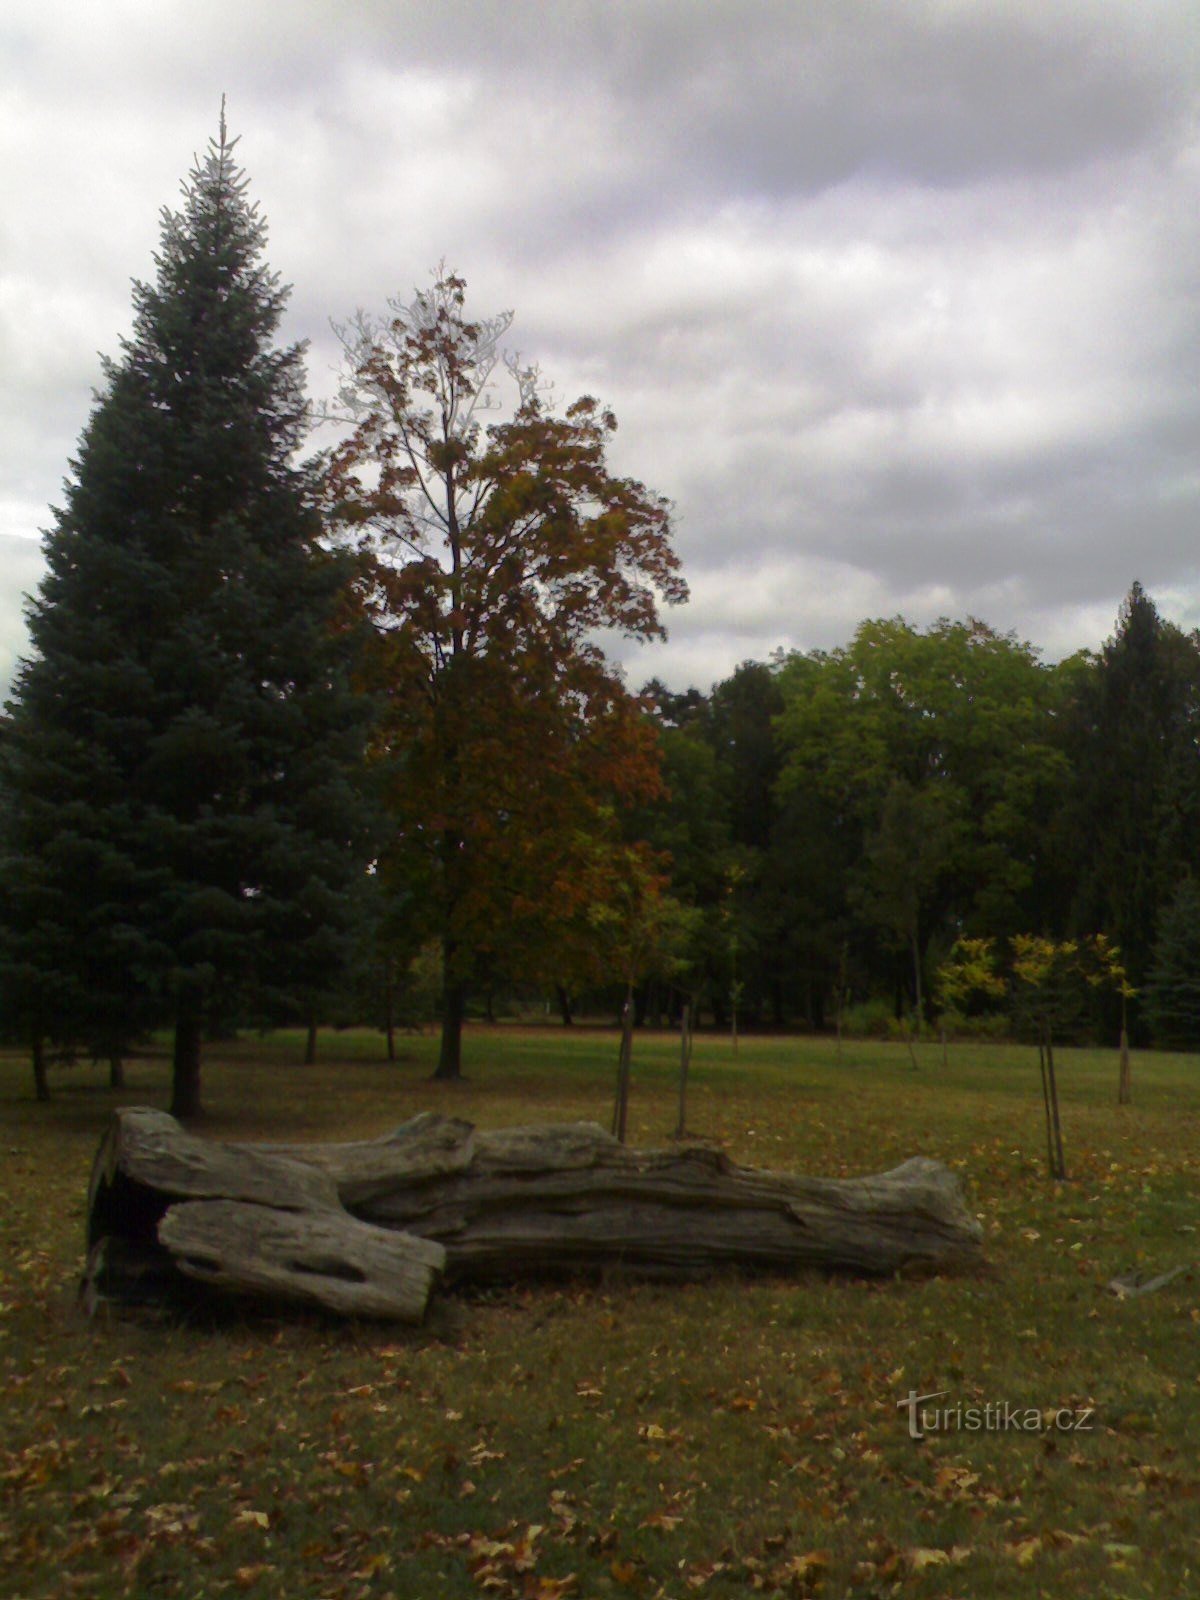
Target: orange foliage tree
pixel 491 559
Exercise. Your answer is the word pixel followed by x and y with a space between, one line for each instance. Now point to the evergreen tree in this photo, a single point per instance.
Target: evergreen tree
pixel 1173 990
pixel 1136 752
pixel 182 816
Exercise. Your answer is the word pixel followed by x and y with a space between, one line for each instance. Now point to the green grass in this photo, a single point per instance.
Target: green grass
pixel 621 1439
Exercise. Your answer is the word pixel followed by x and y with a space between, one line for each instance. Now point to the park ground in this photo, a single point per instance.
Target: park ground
pixel 621 1439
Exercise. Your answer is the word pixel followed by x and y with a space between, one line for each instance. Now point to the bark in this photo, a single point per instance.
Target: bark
pixel 685 1062
pixel 185 1074
pixel 522 1202
pixel 314 1258
pixel 168 1212
pixel 1050 1168
pixel 41 1081
pixel 564 1005
pixel 365 1228
pixel 918 998
pixel 1125 1083
pixel 1060 1164
pixel 624 1069
pixel 389 995
pixel 454 1007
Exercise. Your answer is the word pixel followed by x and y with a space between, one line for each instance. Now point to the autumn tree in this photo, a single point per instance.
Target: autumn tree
pixel 966 978
pixel 494 556
pixel 180 815
pixel 1052 984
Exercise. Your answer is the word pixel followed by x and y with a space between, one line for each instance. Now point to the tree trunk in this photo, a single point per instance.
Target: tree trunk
pixel 685 1062
pixel 168 1210
pixel 310 1042
pixel 116 1071
pixel 454 1005
pixel 1125 1083
pixel 918 998
pixel 185 1072
pixel 1060 1164
pixel 912 1049
pixel 624 1067
pixel 816 1006
pixel 389 1003
pixel 1046 1103
pixel 41 1080
pixel 564 1005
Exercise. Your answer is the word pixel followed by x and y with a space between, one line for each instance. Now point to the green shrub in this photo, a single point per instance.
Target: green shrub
pixel 988 1025
pixel 870 1019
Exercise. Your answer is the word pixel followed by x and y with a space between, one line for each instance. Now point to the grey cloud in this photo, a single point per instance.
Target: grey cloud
pixel 21 568
pixel 897 303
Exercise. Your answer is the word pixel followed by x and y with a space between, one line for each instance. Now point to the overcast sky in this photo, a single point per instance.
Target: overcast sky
pixel 897 302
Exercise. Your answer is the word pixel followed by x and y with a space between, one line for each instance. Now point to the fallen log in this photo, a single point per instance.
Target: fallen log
pixel 314 1222
pixel 168 1211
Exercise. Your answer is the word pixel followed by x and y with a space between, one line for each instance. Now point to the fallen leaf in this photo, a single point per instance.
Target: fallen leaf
pixel 1023 1551
pixel 920 1558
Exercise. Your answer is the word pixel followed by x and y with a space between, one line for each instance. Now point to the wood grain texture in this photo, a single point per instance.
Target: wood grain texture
pixel 368 1228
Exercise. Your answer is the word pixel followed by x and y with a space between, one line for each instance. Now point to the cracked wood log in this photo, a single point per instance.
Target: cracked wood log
pixel 169 1213
pixel 313 1222
pixel 524 1202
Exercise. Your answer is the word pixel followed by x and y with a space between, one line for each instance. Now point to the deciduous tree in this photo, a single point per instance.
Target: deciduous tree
pixel 495 557
pixel 950 733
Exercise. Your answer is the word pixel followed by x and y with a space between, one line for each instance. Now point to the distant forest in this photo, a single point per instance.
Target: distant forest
pixel 841 819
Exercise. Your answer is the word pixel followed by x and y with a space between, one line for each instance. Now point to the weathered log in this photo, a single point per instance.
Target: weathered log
pixel 166 1208
pixel 322 1258
pixel 365 1228
pixel 523 1202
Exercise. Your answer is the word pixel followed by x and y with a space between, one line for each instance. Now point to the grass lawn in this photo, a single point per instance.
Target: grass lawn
pixel 618 1439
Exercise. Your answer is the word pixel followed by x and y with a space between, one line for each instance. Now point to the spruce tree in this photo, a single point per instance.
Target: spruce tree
pixel 1173 990
pixel 1136 751
pixel 180 799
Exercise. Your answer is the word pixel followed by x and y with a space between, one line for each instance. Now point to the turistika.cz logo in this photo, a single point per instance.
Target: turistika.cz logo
pixel 997 1416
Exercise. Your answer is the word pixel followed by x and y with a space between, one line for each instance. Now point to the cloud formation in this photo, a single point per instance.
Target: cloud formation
pixel 898 304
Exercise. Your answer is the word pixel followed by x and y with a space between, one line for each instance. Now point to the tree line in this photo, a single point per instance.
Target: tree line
pixel 844 819
pixel 298 734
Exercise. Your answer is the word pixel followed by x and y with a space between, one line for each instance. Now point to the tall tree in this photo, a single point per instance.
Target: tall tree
pixel 1136 732
pixel 183 739
pixel 1173 990
pixel 495 558
pixel 956 724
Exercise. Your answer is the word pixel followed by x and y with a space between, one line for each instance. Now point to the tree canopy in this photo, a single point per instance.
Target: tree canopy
pixel 493 560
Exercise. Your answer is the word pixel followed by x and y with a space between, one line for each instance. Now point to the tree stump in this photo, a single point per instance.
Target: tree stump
pixel 368 1228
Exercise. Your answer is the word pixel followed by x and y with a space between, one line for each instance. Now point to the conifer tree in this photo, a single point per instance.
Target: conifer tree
pixel 1137 759
pixel 1173 990
pixel 182 815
